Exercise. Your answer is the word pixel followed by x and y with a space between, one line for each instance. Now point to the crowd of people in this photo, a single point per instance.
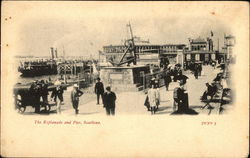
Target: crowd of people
pixel 180 95
pixel 40 91
pixel 108 98
pixel 216 90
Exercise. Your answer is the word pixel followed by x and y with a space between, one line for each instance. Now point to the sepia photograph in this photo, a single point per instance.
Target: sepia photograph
pixel 155 66
pixel 160 69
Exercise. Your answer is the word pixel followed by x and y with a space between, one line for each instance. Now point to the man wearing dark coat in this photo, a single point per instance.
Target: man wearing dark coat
pixel 57 93
pixel 35 91
pixel 99 89
pixel 199 69
pixel 167 80
pixel 44 92
pixel 211 90
pixel 196 71
pixel 109 99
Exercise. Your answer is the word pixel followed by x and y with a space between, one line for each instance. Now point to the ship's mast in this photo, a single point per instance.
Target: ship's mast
pixel 130 47
pixel 131 32
pixel 133 43
pixel 63 53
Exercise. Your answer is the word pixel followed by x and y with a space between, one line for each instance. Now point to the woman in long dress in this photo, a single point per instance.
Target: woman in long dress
pixel 152 98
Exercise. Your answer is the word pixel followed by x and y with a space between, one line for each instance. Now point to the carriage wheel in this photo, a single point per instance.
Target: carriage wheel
pixel 47 108
pixel 21 108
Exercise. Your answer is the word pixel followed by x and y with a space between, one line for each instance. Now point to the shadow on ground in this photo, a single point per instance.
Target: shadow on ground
pixel 88 113
pixel 187 112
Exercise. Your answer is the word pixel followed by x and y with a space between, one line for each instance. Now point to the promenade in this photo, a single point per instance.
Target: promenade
pixel 132 103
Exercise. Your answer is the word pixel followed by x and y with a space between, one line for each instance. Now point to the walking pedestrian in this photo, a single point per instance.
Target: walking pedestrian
pixel 196 71
pixel 176 95
pixel 146 103
pixel 75 94
pixel 157 87
pixel 57 94
pixel 213 64
pixel 184 96
pixel 35 91
pixel 167 80
pixel 175 74
pixel 199 69
pixel 109 99
pixel 99 90
pixel 152 98
pixel 44 93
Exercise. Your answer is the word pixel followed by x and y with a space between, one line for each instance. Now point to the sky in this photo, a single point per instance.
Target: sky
pixel 82 29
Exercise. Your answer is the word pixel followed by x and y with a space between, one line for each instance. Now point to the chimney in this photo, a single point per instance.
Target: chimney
pixel 56 53
pixel 52 52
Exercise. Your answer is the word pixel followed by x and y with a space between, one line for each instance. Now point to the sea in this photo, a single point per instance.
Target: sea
pixel 27 80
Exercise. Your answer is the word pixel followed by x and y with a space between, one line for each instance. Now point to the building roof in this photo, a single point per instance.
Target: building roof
pixel 136 44
pixel 173 45
pixel 198 40
pixel 148 44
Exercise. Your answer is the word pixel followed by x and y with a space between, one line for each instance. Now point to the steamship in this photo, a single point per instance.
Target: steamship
pixel 54 66
pixel 40 67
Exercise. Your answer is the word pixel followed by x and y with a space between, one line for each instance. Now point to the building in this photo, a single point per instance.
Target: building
pixel 173 52
pixel 228 49
pixel 229 45
pixel 147 53
pixel 200 50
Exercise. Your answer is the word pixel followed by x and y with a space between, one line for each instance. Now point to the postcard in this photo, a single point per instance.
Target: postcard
pixel 124 79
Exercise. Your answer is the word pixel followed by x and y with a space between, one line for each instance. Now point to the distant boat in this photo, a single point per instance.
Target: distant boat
pixel 31 69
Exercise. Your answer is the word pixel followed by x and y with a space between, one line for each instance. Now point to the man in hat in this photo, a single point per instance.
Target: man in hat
pixel 209 91
pixel 109 99
pixel 35 91
pixel 57 94
pixel 99 89
pixel 75 94
pixel 44 92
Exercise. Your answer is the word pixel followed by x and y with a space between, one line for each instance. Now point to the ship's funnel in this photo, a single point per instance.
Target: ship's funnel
pixel 52 52
pixel 56 53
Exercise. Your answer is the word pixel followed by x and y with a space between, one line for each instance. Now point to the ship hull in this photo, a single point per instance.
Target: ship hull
pixel 38 71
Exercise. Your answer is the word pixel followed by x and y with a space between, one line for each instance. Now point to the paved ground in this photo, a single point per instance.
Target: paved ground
pixel 130 103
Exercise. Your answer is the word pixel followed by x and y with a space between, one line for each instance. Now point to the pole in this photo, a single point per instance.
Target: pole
pixel 90 73
pixel 78 80
pixel 133 44
pixel 218 45
pixel 99 56
pixel 143 81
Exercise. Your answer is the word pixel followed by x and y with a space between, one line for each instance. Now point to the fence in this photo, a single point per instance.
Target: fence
pixel 147 78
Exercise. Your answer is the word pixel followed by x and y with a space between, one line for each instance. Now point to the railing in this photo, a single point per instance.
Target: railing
pixel 147 78
pixel 86 79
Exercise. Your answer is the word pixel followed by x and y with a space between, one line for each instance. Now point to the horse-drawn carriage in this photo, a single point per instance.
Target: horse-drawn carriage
pixel 23 97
